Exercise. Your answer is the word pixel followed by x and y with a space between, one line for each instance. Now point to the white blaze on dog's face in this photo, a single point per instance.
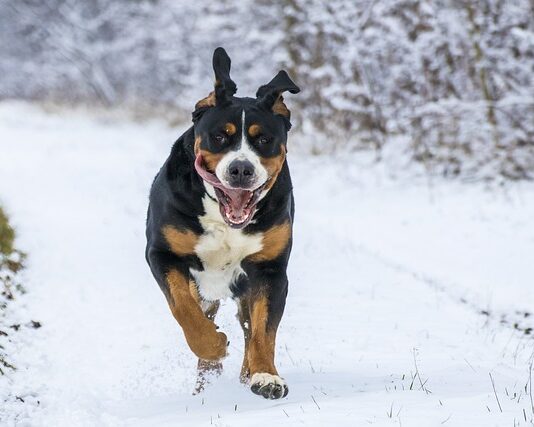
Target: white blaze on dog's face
pixel 240 150
pixel 242 167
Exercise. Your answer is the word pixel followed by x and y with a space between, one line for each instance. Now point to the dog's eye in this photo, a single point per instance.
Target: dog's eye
pixel 221 139
pixel 263 140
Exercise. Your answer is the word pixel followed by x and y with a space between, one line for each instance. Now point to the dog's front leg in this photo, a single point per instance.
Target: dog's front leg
pixel 266 306
pixel 200 332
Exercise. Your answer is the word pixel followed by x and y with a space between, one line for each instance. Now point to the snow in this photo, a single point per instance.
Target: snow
pixel 387 279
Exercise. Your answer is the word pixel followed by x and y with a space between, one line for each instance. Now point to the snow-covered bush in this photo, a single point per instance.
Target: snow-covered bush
pixel 455 76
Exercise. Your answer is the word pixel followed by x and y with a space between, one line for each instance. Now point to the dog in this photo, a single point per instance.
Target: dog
pixel 220 223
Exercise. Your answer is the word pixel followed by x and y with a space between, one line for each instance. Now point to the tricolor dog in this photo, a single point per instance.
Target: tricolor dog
pixel 220 224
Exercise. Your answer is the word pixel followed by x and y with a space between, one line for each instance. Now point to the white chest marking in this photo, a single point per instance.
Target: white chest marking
pixel 221 250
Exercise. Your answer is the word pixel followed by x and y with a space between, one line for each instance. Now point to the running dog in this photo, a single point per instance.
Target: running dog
pixel 220 223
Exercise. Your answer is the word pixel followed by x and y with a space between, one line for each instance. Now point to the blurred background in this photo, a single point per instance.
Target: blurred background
pixel 412 158
pixel 449 81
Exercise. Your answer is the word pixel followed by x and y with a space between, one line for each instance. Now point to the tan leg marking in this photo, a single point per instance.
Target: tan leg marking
pixel 193 290
pixel 244 321
pixel 262 340
pixel 200 332
pixel 274 241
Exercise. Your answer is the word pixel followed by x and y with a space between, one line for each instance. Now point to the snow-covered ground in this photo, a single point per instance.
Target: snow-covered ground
pixel 383 324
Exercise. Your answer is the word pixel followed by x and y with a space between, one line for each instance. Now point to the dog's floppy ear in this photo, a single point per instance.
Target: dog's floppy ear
pixel 225 87
pixel 270 95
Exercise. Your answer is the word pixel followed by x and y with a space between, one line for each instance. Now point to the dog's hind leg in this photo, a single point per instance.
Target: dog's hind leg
pixel 206 369
pixel 243 315
pixel 266 310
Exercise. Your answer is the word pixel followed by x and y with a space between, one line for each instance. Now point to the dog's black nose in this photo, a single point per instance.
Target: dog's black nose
pixel 240 173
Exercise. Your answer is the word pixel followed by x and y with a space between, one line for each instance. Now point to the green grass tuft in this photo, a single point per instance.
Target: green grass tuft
pixel 7 235
pixel 11 262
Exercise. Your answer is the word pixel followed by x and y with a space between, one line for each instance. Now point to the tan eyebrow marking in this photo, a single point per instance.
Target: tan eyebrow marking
pixel 254 130
pixel 230 129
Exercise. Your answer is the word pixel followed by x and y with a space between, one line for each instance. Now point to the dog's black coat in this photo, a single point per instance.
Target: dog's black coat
pixel 178 196
pixel 176 199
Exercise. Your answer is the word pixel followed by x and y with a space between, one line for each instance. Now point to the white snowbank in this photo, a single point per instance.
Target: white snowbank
pixel 378 273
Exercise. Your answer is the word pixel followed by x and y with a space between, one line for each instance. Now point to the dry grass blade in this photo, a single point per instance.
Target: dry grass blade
pixel 495 392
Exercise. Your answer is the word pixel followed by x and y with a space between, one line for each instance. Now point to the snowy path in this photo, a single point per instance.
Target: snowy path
pixel 376 278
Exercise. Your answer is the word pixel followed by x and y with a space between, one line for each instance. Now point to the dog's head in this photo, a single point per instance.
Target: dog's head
pixel 240 143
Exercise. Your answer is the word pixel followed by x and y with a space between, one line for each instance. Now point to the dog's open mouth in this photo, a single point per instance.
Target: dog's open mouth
pixel 237 205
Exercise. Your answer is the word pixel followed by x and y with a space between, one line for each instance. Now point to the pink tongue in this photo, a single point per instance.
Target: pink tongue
pixel 238 198
pixel 237 210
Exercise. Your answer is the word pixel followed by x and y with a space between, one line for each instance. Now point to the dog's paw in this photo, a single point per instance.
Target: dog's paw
pixel 269 386
pixel 212 347
pixel 219 346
